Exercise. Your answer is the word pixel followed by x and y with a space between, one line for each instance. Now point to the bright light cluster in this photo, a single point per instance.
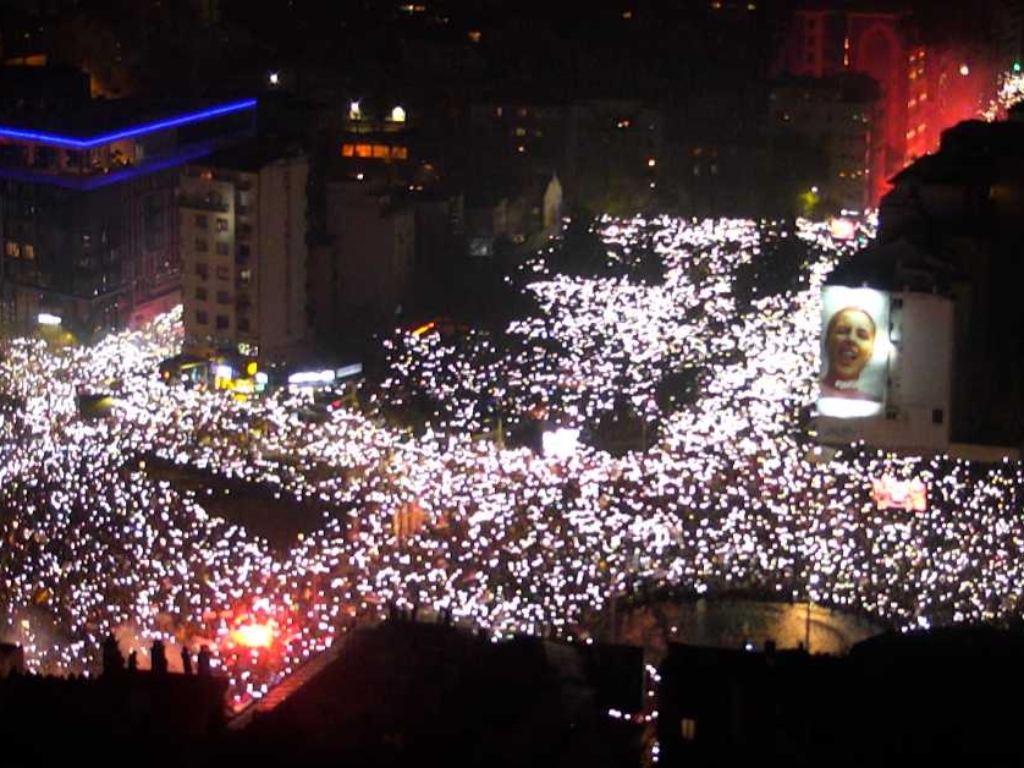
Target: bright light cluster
pixel 727 497
pixel 1011 91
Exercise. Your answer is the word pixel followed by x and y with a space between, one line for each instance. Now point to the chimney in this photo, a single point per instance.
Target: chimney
pixel 158 658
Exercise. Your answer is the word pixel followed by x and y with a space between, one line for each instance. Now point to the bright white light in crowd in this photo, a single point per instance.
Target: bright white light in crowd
pixel 45 318
pixel 561 443
pixel 222 371
pixel 842 229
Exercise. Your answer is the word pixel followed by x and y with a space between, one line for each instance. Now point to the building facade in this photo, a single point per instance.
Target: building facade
pixel 88 210
pixel 822 130
pixel 244 253
pixel 824 43
pixel 365 272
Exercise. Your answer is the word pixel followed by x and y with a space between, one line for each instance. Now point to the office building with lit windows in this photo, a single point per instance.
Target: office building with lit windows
pixel 373 147
pixel 831 122
pixel 242 215
pixel 88 214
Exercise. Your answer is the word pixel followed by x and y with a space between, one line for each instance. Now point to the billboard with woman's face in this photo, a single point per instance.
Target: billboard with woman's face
pixel 854 352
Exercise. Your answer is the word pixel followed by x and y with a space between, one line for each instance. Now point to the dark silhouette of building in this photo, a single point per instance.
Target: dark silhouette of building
pixel 120 715
pixel 896 699
pixel 437 695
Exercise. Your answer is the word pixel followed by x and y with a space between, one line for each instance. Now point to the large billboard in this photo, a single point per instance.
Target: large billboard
pixel 854 352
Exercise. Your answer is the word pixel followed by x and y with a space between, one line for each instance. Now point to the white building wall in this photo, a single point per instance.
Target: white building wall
pixel 281 256
pixel 265 213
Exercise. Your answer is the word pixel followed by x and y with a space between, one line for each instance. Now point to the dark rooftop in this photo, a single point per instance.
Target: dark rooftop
pixel 251 155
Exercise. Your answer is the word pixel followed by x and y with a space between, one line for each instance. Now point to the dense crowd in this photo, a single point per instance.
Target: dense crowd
pixel 727 495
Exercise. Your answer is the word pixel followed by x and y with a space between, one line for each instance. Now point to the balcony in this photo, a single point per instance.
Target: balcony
pixel 203 203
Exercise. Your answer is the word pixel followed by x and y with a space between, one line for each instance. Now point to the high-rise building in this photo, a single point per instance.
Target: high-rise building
pixel 365 273
pixel 831 120
pixel 243 246
pixel 88 210
pixel 824 43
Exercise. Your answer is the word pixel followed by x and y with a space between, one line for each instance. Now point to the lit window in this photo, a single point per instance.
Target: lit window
pixel 398 115
pixel 399 153
pixel 202 318
pixel 474 35
pixel 347 150
pixel 28 251
pixel 688 729
pixel 245 276
pixel 222 225
pixel 381 152
pixel 364 150
pixel 12 249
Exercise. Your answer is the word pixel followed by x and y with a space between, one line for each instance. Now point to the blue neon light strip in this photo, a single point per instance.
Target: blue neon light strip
pixel 162 125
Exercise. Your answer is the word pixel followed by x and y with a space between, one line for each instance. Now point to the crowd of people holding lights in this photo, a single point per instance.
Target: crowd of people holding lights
pixel 729 495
